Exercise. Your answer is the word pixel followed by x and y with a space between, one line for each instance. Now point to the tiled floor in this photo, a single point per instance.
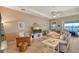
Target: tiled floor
pixel 38 47
pixel 74 45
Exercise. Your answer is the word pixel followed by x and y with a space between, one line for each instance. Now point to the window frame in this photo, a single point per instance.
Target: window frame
pixel 53 23
pixel 76 21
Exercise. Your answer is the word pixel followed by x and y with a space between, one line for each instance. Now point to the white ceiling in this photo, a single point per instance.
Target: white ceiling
pixel 45 11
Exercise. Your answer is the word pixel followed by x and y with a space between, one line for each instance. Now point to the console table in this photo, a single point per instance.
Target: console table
pixel 28 40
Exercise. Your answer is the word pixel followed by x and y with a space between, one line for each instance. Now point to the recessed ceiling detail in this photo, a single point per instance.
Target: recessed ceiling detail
pixel 48 11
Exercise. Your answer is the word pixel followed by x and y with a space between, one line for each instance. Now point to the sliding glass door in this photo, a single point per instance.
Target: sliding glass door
pixel 72 27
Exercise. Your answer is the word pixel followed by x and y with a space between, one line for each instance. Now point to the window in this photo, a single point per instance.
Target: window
pixel 72 26
pixel 53 26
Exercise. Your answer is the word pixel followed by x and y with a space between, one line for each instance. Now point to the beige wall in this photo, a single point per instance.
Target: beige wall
pixel 60 21
pixel 12 17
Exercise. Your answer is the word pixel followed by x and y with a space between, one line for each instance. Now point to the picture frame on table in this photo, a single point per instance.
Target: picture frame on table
pixel 21 26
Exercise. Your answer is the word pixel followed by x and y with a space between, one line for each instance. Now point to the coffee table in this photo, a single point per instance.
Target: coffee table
pixel 52 43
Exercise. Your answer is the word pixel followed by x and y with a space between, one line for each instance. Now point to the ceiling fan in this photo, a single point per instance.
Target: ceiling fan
pixel 55 13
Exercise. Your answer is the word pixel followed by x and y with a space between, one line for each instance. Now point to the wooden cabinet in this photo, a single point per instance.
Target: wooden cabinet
pixel 28 40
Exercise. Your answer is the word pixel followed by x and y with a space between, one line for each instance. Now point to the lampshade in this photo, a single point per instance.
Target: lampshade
pixel 21 33
pixel 3 45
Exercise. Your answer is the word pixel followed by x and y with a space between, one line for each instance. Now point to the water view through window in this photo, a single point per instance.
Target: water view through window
pixel 72 27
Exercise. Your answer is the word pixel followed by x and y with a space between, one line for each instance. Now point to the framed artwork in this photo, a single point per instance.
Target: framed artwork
pixel 21 25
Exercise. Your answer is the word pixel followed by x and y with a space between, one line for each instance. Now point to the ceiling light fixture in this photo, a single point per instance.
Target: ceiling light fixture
pixel 23 9
pixel 54 16
pixel 55 13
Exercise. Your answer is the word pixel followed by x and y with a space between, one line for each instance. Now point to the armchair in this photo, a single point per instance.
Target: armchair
pixel 63 47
